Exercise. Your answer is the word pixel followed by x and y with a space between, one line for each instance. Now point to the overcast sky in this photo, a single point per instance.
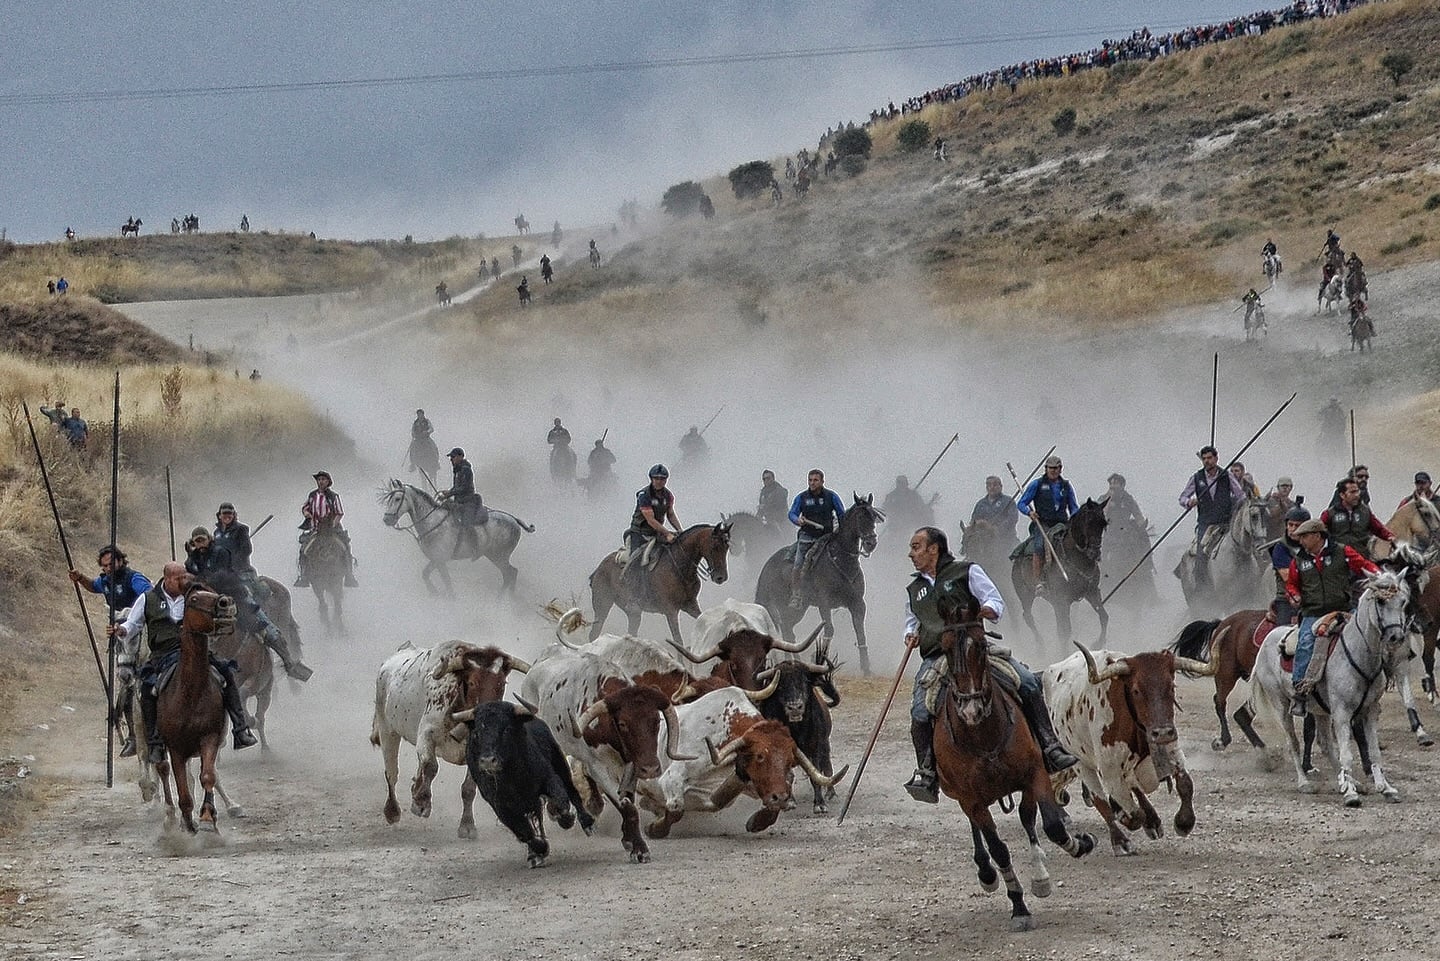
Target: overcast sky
pixel 436 159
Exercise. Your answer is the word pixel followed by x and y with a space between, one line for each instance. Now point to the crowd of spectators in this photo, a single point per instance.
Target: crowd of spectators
pixel 1142 45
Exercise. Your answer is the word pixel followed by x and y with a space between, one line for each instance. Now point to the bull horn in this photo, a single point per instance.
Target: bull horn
pixel 764 676
pixel 818 668
pixel 571 620
pixel 824 698
pixel 672 736
pixel 1118 669
pixel 513 663
pixel 448 666
pixel 725 755
pixel 813 772
pixel 466 715
pixel 690 655
pixel 592 713
pixel 757 697
pixel 685 692
pixel 532 708
pixel 797 648
pixel 1194 668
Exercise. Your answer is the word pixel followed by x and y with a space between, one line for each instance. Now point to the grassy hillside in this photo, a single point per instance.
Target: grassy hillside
pixel 79 330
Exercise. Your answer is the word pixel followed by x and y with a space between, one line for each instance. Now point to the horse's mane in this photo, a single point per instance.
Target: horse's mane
pixel 692 529
pixel 395 485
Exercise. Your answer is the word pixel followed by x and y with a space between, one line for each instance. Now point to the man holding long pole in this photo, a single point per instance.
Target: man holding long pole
pixel 1048 500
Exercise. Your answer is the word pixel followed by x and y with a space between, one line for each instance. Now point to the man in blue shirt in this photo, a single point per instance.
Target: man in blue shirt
pixel 816 511
pixel 125 587
pixel 1048 501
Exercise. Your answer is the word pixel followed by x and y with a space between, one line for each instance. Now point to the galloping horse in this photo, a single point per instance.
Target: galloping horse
pixel 191 713
pixel 1373 643
pixel 1356 286
pixel 750 533
pixel 256 666
pixel 437 531
pixel 326 564
pixel 988 546
pixel 668 588
pixel 424 455
pixel 833 577
pixel 562 464
pixel 984 752
pixel 1230 645
pixel 1235 575
pixel 1273 267
pixel 1078 549
pixel 1417 522
pixel 1331 293
pixel 1362 328
pixel 442 294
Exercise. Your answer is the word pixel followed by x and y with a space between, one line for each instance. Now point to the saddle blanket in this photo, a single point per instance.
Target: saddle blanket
pixel 648 557
pixel 1327 630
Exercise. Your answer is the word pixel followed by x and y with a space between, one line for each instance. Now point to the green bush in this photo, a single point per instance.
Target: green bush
pixel 854 142
pixel 1064 122
pixel 1397 63
pixel 852 165
pixel 915 135
pixel 752 179
pixel 1432 202
pixel 682 199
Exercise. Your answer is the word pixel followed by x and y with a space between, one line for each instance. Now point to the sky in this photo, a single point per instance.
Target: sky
pixel 462 157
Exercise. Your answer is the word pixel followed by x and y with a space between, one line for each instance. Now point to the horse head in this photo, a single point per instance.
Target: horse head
pixel 392 497
pixel 1087 526
pixel 1250 524
pixel 713 549
pixel 207 612
pixel 859 522
pixel 968 652
pixel 1386 599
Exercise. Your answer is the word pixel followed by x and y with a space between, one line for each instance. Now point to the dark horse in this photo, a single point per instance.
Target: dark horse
pixel 131 226
pixel 668 588
pixel 984 752
pixel 1078 549
pixel 256 665
pixel 326 565
pixel 750 533
pixel 190 712
pixel 833 578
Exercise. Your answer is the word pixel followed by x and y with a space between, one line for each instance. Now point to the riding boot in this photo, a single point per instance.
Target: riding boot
pixel 797 582
pixel 924 783
pixel 241 735
pixel 293 666
pixel 149 713
pixel 1037 567
pixel 1057 759
pixel 350 580
pixel 302 576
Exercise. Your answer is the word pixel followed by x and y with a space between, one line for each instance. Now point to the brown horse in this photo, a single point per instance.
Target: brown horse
pixel 191 713
pixel 255 670
pixel 1417 522
pixel 326 565
pixel 1231 644
pixel 984 752
pixel 668 588
pixel 1075 577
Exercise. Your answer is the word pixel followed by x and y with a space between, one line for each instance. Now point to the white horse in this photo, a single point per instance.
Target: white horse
pixel 1331 294
pixel 1374 643
pixel 1273 267
pixel 437 531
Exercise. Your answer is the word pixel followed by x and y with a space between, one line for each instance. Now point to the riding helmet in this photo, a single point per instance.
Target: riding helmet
pixel 455 452
pixel 659 471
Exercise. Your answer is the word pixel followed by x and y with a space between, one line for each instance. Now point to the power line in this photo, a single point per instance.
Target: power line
pixel 61 98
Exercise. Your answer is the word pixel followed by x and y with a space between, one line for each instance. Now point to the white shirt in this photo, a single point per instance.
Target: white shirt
pixel 174 606
pixel 981 587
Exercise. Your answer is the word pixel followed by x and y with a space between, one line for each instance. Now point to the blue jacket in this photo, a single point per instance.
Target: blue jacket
pixel 132 584
pixel 824 508
pixel 1060 506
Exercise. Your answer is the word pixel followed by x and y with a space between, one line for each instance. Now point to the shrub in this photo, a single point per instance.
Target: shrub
pixel 172 392
pixel 1063 122
pixel 752 179
pixel 682 199
pixel 1397 63
pixel 852 165
pixel 854 142
pixel 1432 202
pixel 915 135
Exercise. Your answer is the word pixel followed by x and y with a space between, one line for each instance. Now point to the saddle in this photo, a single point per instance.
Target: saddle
pixel 161 673
pixel 1024 548
pixel 649 556
pixel 1327 633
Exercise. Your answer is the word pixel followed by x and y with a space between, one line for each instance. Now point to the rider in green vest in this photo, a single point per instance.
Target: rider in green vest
pixel 1318 583
pixel 938 573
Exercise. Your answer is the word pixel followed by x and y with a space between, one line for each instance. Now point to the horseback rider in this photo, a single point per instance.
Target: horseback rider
pixel 816 511
pixel 1332 242
pixel 523 289
pixel 215 564
pixel 905 504
pixel 1318 583
pixel 161 612
pixel 600 461
pixel 995 508
pixel 1121 508
pixel 495 267
pixel 1214 493
pixel 1269 250
pixel 558 435
pixel 1280 500
pixel 468 507
pixel 938 573
pixel 1349 521
pixel 1048 501
pixel 547 273
pixel 1354 263
pixel 693 446
pixel 421 427
pixel 1251 300
pixel 1422 490
pixel 1282 553
pixel 323 514
pixel 1247 482
pixel 654 507
pixel 774 500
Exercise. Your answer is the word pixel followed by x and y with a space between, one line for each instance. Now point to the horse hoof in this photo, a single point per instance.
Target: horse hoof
pixel 990 886
pixel 1391 795
pixel 639 857
pixel 235 811
pixel 1040 887
pixel 1425 740
pixel 467 833
pixel 1023 922
pixel 1219 744
pixel 1352 800
pixel 819 810
pixel 535 861
pixel 420 810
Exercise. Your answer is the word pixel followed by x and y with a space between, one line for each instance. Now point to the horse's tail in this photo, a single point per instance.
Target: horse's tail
pixel 1193 641
pixel 527 528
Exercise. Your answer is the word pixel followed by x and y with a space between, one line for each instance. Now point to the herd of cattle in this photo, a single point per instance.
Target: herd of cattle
pixel 633 722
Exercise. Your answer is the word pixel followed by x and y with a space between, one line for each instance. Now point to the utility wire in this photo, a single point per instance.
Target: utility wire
pixel 59 98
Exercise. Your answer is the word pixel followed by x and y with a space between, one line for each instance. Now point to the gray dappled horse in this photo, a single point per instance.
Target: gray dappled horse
pixel 1374 643
pixel 833 579
pixel 437 531
pixel 1235 576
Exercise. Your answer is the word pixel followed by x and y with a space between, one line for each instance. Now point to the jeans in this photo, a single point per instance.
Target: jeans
pixel 802 547
pixel 918 712
pixel 1305 649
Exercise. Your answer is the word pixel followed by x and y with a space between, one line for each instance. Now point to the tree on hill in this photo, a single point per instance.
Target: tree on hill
pixel 915 135
pixel 682 199
pixel 752 179
pixel 1397 63
pixel 1064 122
pixel 852 142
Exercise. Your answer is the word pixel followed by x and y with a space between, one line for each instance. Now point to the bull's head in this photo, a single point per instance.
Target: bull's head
pixel 628 721
pixel 796 684
pixel 1148 680
pixel 763 756
pixel 480 674
pixel 496 728
pixel 744 651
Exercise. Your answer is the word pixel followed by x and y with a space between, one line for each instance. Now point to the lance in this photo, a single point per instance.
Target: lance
pixel 427 479
pixel 712 420
pixel 874 735
pixel 1214 395
pixel 170 511
pixel 1241 453
pixel 1044 534
pixel 1353 460
pixel 604 434
pixel 261 526
pixel 114 536
pixel 942 453
pixel 1033 471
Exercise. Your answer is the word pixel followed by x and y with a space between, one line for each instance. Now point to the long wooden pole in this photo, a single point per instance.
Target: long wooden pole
pixel 874 735
pixel 170 511
pixel 1241 453
pixel 1214 395
pixel 1353 459
pixel 114 537
pixel 943 450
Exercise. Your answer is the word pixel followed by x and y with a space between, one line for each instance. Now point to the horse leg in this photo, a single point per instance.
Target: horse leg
pixel 989 880
pixel 1094 598
pixel 1372 745
pixel 182 791
pixel 857 618
pixel 390 751
pixel 340 611
pixel 672 618
pixel 262 706
pixel 425 576
pixel 1245 718
pixel 467 813
pixel 1427 660
pixel 1062 618
pixel 324 610
pixel 601 600
pixel 1344 758
pixel 1224 684
pixel 1020 919
pixel 1407 696
pixel 1040 876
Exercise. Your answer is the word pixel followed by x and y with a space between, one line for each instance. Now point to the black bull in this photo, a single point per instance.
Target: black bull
pixel 802 702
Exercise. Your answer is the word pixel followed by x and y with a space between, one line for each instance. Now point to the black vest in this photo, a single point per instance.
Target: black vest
pixel 1324 589
pixel 1213 502
pixel 1351 527
pixel 952 578
pixel 1044 502
pixel 161 633
pixel 817 508
pixel 661 502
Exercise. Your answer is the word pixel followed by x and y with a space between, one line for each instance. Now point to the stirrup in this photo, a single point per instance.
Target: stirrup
pixel 298 671
pixel 923 786
pixel 243 737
